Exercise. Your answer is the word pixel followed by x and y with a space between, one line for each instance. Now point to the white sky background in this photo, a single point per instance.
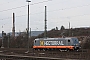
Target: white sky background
pixel 59 12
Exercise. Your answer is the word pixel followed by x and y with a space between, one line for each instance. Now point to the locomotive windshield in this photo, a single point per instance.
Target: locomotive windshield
pixel 75 40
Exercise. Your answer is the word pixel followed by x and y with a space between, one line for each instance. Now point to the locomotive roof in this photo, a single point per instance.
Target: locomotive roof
pixel 55 38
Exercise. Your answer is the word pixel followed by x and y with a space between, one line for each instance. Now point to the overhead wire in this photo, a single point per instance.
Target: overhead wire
pixel 13 8
pixel 60 17
pixel 43 12
pixel 70 8
pixel 43 2
pixel 47 11
pixel 21 7
pixel 69 17
pixel 60 9
pixel 24 6
pixel 6 2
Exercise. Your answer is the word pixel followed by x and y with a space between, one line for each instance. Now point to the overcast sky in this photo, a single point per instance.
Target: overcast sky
pixel 59 12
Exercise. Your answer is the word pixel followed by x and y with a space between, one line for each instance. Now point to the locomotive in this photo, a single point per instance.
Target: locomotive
pixel 68 43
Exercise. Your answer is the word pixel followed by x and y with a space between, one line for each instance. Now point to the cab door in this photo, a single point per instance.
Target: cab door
pixel 69 42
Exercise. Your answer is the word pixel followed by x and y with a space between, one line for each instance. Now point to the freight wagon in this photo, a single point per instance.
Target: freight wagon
pixel 70 43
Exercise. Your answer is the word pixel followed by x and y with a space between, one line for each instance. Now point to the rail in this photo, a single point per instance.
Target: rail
pixel 45 55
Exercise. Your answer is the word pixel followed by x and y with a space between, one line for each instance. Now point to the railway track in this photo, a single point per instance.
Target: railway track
pixel 81 54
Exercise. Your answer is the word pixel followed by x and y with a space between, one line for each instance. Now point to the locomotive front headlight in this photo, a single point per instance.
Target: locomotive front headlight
pixel 76 44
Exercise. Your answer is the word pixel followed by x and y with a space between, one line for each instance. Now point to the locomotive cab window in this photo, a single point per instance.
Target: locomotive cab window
pixel 68 40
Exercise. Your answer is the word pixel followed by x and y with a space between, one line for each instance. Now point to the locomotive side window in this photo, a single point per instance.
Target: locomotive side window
pixel 35 41
pixel 68 40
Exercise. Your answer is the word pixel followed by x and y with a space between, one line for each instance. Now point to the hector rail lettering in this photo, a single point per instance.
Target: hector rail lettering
pixel 51 43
